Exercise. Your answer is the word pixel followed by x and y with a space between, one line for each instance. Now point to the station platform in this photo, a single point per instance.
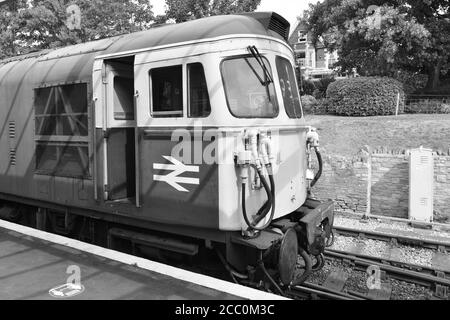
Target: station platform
pixel 40 265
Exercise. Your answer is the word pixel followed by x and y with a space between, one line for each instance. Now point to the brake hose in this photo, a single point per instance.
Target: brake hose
pixel 261 216
pixel 319 172
pixel 308 269
pixel 264 209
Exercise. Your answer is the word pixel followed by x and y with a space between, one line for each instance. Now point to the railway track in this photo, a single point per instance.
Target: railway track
pixel 434 278
pixel 419 275
pixel 334 285
pixel 394 238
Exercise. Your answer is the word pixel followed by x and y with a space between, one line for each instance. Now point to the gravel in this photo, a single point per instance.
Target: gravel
pixel 374 224
pixel 381 249
pixel 414 255
pixel 409 291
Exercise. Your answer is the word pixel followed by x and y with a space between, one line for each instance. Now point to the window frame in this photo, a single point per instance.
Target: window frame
pixel 278 57
pixel 240 56
pixel 188 87
pixel 115 117
pixel 167 114
pixel 58 137
pixel 61 141
pixel 185 90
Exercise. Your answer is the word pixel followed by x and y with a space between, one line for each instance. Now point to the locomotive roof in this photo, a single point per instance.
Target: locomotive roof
pixel 259 23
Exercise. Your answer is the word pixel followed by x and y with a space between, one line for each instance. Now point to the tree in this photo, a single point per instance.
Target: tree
pixel 384 37
pixel 9 24
pixel 183 10
pixel 39 24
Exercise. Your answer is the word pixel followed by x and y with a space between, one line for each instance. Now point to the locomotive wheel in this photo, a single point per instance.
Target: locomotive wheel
pixel 287 258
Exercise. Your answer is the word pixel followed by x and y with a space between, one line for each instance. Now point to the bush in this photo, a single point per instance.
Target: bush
pixel 308 103
pixel 307 87
pixel 313 106
pixel 445 108
pixel 321 87
pixel 366 96
pixel 427 106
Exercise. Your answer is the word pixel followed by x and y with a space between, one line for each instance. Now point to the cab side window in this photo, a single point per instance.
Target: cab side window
pixel 167 91
pixel 199 105
pixel 123 98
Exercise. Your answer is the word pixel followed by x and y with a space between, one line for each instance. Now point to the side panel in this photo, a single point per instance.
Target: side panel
pixel 16 127
pixel 175 189
pixel 18 80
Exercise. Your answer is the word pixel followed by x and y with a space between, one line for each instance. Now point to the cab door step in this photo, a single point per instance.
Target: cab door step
pixel 158 242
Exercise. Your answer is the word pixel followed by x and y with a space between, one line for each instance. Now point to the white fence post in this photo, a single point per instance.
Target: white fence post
pixel 398 104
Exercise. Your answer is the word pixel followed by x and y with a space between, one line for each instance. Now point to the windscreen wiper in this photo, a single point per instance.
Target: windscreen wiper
pixel 255 53
pixel 267 77
pixel 255 72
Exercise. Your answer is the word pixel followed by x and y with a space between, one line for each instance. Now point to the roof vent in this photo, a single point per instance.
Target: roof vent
pixel 271 21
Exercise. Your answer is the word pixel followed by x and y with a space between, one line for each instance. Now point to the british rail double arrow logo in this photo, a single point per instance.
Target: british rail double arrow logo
pixel 173 178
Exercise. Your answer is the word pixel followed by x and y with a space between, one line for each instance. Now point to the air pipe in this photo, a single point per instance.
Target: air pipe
pixel 319 172
pixel 265 149
pixel 312 140
pixel 308 268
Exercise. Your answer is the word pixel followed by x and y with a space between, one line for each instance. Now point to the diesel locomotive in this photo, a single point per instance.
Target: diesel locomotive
pixel 178 140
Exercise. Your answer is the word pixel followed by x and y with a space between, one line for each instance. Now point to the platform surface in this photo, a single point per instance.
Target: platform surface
pixel 31 266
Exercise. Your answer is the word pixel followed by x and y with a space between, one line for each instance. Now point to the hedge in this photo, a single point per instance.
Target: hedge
pixel 366 96
pixel 427 106
pixel 311 105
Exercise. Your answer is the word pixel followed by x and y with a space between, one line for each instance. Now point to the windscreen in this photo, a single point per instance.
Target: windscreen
pixel 249 92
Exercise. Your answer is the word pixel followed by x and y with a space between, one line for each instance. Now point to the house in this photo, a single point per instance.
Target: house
pixel 315 61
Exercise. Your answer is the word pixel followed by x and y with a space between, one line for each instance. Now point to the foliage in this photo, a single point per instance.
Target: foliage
pixel 366 96
pixel 321 87
pixel 380 37
pixel 312 105
pixel 412 81
pixel 306 87
pixel 183 10
pixel 427 106
pixel 39 24
pixel 308 102
pixel 316 88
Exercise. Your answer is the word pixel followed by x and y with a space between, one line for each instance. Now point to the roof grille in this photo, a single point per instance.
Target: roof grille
pixel 279 26
pixel 272 21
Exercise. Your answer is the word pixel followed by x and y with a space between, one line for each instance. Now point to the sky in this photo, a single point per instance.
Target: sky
pixel 289 9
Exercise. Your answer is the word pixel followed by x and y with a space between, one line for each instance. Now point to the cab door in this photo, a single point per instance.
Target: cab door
pixel 120 144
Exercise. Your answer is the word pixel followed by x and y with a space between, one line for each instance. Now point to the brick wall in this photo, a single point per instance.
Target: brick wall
pixel 442 186
pixel 345 179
